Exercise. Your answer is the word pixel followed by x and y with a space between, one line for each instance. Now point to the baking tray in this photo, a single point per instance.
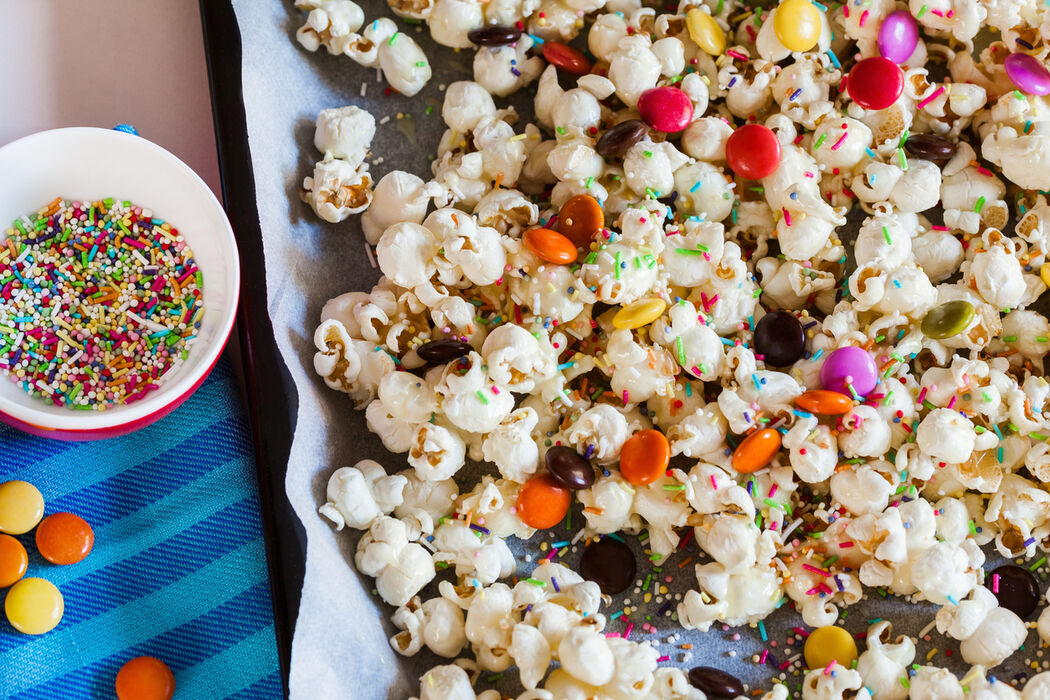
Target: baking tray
pixel 272 398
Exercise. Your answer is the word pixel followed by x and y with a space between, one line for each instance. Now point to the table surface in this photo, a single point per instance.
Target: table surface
pixel 101 63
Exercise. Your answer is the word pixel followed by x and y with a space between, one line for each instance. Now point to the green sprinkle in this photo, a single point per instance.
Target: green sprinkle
pixel 535 582
pixel 482 397
pixel 674 487
pixel 392 37
pixel 886 235
pixel 1009 338
pixel 1036 565
pixel 903 159
pixel 979 205
pixel 619 255
pixel 681 350
pixel 819 141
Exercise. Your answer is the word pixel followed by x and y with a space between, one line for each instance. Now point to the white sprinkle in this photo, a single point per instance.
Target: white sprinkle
pixel 926 630
pixel 364 86
pixel 371 258
pixel 577 536
pixel 385 119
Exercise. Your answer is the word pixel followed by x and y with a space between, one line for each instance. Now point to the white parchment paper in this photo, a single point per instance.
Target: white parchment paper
pixel 340 649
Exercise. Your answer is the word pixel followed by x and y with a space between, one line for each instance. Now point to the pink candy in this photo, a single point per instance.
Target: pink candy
pixel 898 36
pixel 666 109
pixel 1028 74
pixel 849 366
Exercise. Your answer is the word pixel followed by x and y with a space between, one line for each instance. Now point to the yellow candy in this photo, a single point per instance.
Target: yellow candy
pixel 34 606
pixel 827 644
pixel 640 313
pixel 704 30
pixel 797 24
pixel 21 507
pixel 1044 272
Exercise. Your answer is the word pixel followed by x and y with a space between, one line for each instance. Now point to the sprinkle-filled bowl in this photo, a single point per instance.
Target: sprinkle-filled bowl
pixel 90 164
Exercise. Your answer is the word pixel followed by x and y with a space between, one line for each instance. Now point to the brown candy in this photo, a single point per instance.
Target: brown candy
pixel 494 35
pixel 621 137
pixel 930 147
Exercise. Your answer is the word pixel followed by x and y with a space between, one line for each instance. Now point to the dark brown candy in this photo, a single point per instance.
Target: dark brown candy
pixel 1016 589
pixel 780 338
pixel 621 137
pixel 569 468
pixel 715 683
pixel 494 35
pixel 609 563
pixel 438 352
pixel 930 147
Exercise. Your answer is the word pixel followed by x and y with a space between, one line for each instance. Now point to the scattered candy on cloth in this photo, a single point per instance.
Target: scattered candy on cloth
pixel 177 570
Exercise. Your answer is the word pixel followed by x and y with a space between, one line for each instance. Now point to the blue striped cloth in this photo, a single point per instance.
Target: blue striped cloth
pixel 179 567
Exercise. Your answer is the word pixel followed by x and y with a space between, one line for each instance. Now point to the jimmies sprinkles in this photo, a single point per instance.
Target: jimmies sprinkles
pixel 752 287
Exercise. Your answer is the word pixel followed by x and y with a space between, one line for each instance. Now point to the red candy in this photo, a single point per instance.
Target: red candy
pixel 875 82
pixel 567 58
pixel 753 151
pixel 666 109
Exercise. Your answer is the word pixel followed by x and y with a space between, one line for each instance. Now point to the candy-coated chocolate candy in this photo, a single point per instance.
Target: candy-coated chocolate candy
pixel 639 313
pixel 797 24
pixel 494 35
pixel 1028 73
pixel 849 365
pixel 949 319
pixel 898 36
pixel 1044 273
pixel 827 644
pixel 13 560
pixel 756 451
pixel 21 507
pixel 753 151
pixel 64 538
pixel 715 683
pixel 1016 589
pixel 580 219
pixel 779 338
pixel 550 246
pixel 705 32
pixel 145 678
pixel 875 82
pixel 543 501
pixel 609 563
pixel 824 402
pixel 665 108
pixel 620 137
pixel 565 57
pixel 439 352
pixel 930 147
pixel 34 606
pixel 644 457
pixel 569 467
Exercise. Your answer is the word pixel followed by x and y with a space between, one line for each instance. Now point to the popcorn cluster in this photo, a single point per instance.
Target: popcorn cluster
pixel 500 328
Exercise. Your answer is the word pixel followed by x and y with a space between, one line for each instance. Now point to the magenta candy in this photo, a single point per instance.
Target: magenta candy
pixel 1028 74
pixel 898 36
pixel 849 364
pixel 666 109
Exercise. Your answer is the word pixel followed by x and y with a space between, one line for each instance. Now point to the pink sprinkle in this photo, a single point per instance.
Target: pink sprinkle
pixel 663 658
pixel 863 18
pixel 814 590
pixel 772 490
pixel 808 174
pixel 936 93
pixel 787 217
pixel 641 219
pixel 937 12
pixel 798 139
pixel 624 397
pixel 611 634
pixel 737 55
pixel 827 669
pixel 845 10
pixel 838 143
pixel 495 390
pixel 922 396
pixel 765 655
pixel 995 583
pixel 815 570
pixel 984 171
pixel 950 13
pixel 714 484
pixel 627 632
pixel 951 403
pixel 939 228
pixel 800 632
pixel 845 545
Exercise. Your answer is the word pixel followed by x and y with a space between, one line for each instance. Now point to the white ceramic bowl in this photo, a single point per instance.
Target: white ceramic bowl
pixel 91 164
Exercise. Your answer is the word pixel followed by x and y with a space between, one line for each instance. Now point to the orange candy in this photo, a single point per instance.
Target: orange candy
pixel 824 402
pixel 645 457
pixel 64 538
pixel 13 561
pixel 543 502
pixel 145 678
pixel 550 246
pixel 756 451
pixel 580 219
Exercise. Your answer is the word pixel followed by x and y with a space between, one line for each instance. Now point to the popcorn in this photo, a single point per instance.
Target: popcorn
pixel 654 325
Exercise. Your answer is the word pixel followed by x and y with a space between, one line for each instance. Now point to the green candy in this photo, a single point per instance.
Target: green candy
pixel 948 319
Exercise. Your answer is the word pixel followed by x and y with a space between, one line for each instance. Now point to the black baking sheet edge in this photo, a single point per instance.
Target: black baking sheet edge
pixel 272 399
